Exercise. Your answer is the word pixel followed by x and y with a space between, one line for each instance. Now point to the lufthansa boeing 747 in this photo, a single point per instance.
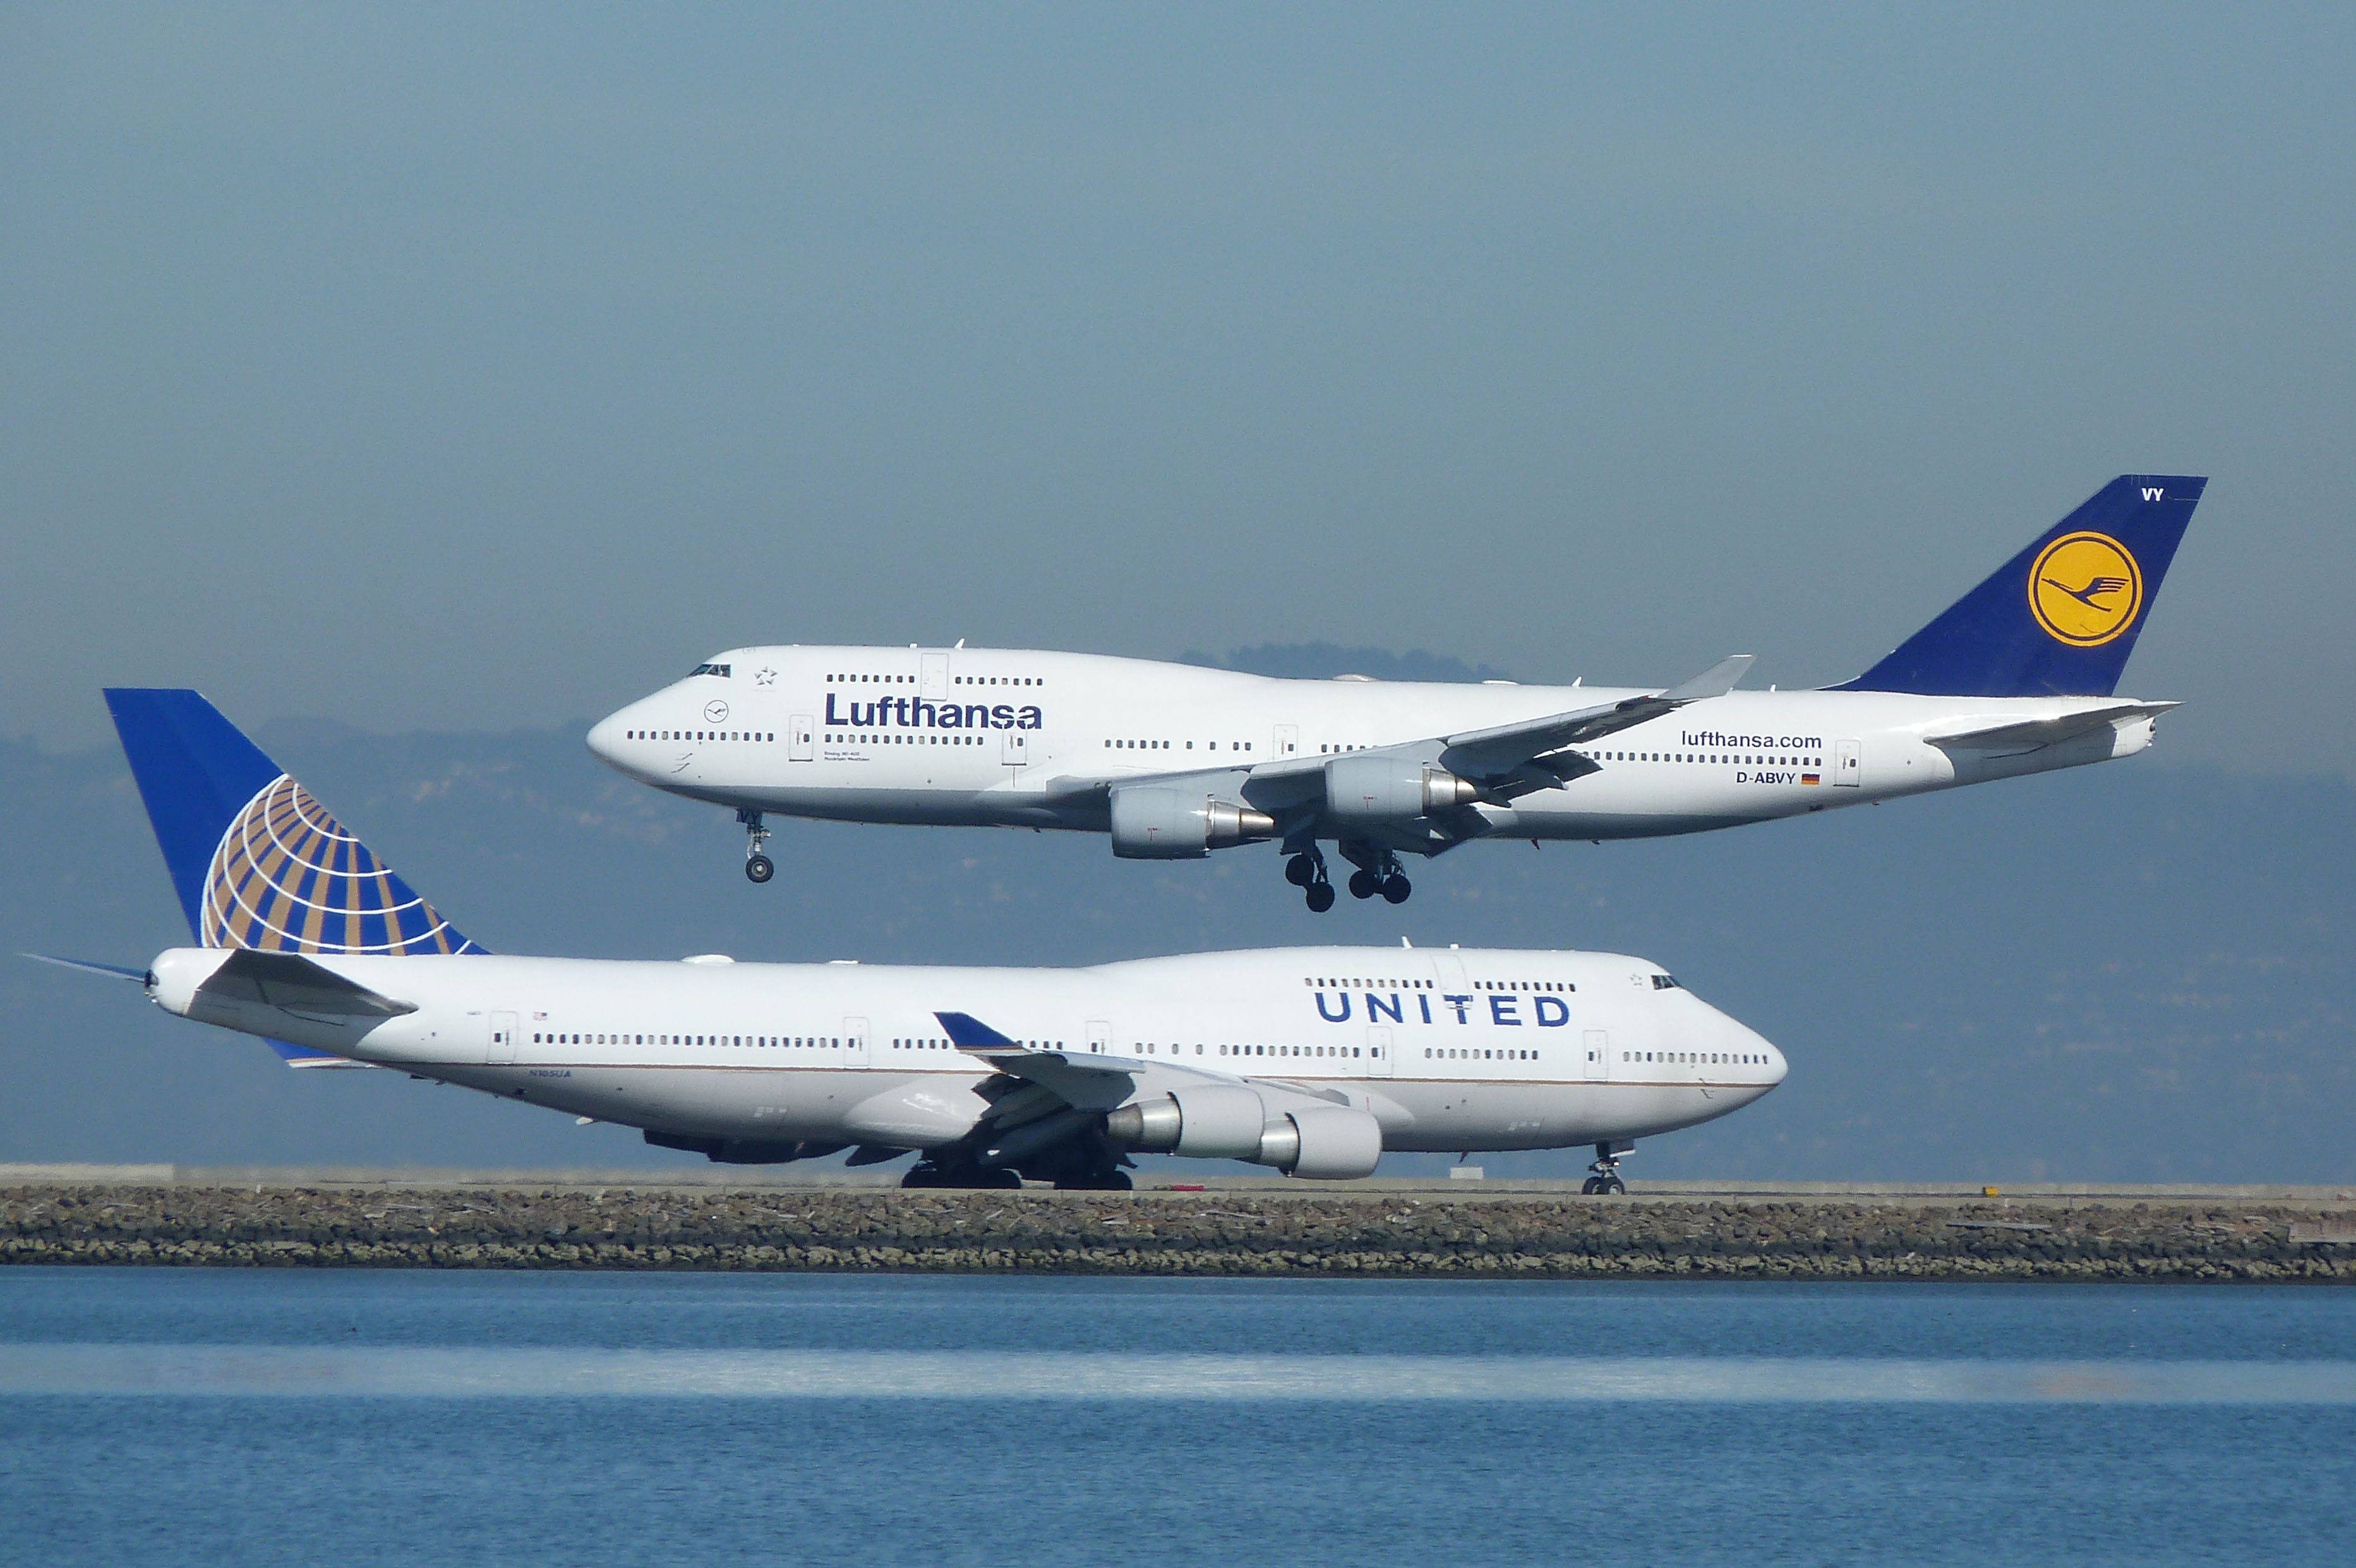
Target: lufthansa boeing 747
pixel 1308 1060
pixel 1173 762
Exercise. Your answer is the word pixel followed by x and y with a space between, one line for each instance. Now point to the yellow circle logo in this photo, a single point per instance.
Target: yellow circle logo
pixel 2085 588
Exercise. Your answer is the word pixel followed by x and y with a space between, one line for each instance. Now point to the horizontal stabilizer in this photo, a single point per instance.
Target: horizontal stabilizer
pixel 305 1057
pixel 294 984
pixel 2026 735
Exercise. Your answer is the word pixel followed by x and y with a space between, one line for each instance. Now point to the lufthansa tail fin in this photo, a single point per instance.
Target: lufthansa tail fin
pixel 2059 618
pixel 256 861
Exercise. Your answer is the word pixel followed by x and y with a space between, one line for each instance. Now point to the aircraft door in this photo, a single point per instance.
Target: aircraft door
pixel 1285 740
pixel 932 677
pixel 1100 1037
pixel 499 1048
pixel 800 738
pixel 1378 1051
pixel 855 1043
pixel 1014 749
pixel 1598 1065
pixel 1845 770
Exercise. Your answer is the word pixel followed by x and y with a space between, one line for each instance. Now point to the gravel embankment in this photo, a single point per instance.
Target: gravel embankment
pixel 1165 1234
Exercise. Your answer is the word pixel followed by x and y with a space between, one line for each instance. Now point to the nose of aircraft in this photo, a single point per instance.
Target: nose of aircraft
pixel 605 740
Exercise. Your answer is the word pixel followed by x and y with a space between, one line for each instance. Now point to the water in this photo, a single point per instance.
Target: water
pixel 188 1416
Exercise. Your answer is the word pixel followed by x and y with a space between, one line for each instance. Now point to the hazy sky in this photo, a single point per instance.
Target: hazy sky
pixel 489 365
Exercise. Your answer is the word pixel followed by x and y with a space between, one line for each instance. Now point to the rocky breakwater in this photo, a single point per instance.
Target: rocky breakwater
pixel 1219 1232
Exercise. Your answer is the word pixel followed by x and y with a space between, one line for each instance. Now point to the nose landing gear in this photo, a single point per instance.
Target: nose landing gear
pixel 758 867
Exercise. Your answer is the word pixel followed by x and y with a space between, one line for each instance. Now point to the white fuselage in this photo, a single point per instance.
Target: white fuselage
pixel 985 737
pixel 1447 1049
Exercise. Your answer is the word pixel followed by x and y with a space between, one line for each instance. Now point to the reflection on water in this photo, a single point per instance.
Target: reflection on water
pixel 528 1372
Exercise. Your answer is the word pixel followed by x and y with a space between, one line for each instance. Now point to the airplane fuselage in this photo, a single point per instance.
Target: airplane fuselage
pixel 1446 1049
pixel 1005 738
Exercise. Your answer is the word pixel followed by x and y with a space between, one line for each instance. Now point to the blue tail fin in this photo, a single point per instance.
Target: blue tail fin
pixel 256 861
pixel 2059 618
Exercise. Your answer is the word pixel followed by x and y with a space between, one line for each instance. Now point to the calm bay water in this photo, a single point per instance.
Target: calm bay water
pixel 193 1416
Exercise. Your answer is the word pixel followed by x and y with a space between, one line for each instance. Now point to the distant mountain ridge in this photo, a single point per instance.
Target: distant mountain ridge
pixel 2122 972
pixel 1324 661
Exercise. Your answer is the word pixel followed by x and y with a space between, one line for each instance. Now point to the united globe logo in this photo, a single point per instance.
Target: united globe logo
pixel 287 878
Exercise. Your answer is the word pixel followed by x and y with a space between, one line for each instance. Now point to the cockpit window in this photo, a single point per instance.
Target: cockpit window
pixel 718 669
pixel 1666 983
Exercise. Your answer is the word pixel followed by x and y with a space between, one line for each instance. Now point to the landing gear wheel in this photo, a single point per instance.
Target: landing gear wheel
pixel 1301 871
pixel 1363 884
pixel 1396 888
pixel 1321 897
pixel 758 867
pixel 1586 1189
pixel 1603 1179
pixel 1614 1185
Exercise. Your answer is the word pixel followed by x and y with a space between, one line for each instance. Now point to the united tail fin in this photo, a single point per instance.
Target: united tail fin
pixel 2059 618
pixel 256 861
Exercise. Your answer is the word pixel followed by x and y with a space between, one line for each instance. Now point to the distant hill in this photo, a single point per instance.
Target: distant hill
pixel 2125 973
pixel 1324 661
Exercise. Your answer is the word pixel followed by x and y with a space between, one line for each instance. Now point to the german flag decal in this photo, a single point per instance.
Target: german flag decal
pixel 1810 778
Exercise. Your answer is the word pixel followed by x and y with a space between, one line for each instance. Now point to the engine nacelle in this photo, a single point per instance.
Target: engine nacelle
pixel 1392 789
pixel 1216 1120
pixel 1158 822
pixel 1323 1143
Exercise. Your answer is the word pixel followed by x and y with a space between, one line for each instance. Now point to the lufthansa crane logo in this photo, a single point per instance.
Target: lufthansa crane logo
pixel 715 713
pixel 2085 588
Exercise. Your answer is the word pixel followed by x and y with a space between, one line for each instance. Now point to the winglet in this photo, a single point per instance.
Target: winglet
pixel 968 1032
pixel 1715 681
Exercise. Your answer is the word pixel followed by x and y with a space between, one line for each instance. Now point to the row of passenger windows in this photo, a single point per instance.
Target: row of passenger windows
pixel 1352 1051
pixel 814 1042
pixel 1461 1053
pixel 1696 1058
pixel 702 735
pixel 1334 985
pixel 1166 745
pixel 921 738
pixel 1704 757
pixel 911 680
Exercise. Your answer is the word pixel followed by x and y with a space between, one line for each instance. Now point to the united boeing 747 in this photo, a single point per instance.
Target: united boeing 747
pixel 1173 762
pixel 1309 1061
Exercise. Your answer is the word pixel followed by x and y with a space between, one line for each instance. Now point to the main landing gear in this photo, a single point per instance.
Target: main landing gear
pixel 1306 871
pixel 758 867
pixel 1378 872
pixel 1606 1169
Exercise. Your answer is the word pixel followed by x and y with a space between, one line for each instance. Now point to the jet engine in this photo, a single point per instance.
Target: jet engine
pixel 1379 788
pixel 1159 822
pixel 1216 1121
pixel 1329 1143
pixel 1323 1143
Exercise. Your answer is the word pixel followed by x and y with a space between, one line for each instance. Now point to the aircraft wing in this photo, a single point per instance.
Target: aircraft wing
pixel 2028 735
pixel 1095 1080
pixel 1504 760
